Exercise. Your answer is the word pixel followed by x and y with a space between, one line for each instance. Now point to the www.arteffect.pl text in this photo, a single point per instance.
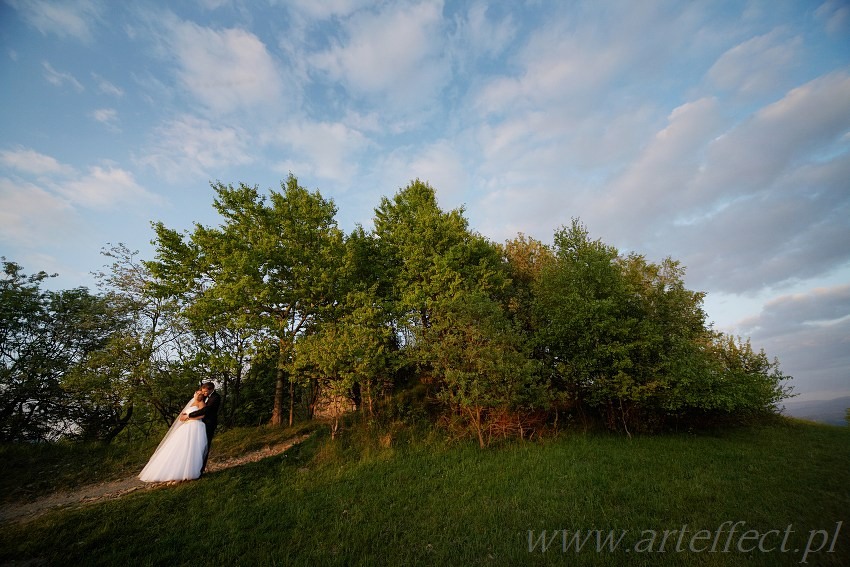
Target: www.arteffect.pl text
pixel 729 537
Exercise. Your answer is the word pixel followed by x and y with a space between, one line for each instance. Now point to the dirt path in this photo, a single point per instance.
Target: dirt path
pixel 118 488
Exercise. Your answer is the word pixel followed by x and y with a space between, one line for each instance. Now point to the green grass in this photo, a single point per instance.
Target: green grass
pixel 31 471
pixel 354 502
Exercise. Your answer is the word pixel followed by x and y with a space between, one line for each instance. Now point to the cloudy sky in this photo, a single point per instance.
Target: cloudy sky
pixel 714 132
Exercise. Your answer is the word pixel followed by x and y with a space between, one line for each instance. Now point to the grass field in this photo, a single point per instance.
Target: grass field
pixel 772 494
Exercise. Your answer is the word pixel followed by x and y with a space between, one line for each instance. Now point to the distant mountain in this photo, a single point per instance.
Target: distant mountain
pixel 824 411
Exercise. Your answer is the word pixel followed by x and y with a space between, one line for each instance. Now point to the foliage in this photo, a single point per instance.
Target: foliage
pixel 481 363
pixel 46 337
pixel 31 369
pixel 429 253
pixel 355 352
pixel 271 267
pixel 280 308
pixel 625 338
pixel 140 378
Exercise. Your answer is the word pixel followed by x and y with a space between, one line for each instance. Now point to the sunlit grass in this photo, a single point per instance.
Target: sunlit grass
pixel 360 501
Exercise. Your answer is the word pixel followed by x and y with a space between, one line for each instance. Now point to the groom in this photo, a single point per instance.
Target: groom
pixel 209 415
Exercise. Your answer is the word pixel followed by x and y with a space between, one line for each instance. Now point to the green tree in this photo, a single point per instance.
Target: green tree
pixel 271 267
pixel 349 358
pixel 526 259
pixel 45 336
pixel 415 237
pixel 626 338
pixel 95 408
pixel 745 381
pixel 482 363
pixel 429 253
pixel 26 394
pixel 145 365
pixel 581 299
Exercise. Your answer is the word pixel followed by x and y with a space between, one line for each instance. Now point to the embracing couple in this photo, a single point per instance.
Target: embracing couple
pixel 182 453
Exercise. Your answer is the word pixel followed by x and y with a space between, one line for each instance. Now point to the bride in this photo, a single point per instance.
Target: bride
pixel 180 454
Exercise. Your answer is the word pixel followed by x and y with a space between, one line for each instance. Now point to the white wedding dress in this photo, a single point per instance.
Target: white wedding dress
pixel 180 454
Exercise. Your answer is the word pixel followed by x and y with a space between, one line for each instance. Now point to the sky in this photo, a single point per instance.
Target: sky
pixel 716 133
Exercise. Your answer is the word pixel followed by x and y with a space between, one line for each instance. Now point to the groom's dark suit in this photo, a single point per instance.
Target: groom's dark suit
pixel 210 418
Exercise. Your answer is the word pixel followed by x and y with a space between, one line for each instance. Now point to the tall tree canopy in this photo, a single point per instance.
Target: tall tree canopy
pixel 277 305
pixel 272 266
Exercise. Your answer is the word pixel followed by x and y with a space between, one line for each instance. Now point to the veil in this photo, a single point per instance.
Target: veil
pixel 174 426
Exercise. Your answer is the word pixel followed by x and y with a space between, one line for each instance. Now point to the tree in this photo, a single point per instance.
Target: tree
pixel 482 364
pixel 270 267
pixel 624 337
pixel 413 234
pixel 45 337
pixel 95 407
pixel 429 253
pixel 745 381
pixel 21 315
pixel 145 363
pixel 30 367
pixel 580 296
pixel 350 358
pixel 526 260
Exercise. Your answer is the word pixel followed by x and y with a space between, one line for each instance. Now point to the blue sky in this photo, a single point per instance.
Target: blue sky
pixel 714 132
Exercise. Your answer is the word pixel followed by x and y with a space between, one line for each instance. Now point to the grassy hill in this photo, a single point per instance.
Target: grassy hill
pixel 773 494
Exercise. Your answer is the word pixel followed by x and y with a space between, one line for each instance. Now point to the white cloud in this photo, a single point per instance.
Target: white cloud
pixel 394 54
pixel 58 79
pixel 322 149
pixel 756 204
pixel 31 216
pixel 480 35
pixel 556 68
pixel 792 231
pixel 105 188
pixel 213 4
pixel 787 314
pixel 659 182
pixel 327 8
pixel 836 17
pixel 108 117
pixel 514 204
pixel 106 87
pixel 574 126
pixel 226 70
pixel 439 163
pixel 64 18
pixel 30 161
pixel 756 152
pixel 443 166
pixel 193 147
pixel 758 65
pixel 579 61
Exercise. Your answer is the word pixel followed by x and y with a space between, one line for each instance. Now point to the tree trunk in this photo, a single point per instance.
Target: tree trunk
pixel 119 427
pixel 277 412
pixel 291 402
pixel 475 416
